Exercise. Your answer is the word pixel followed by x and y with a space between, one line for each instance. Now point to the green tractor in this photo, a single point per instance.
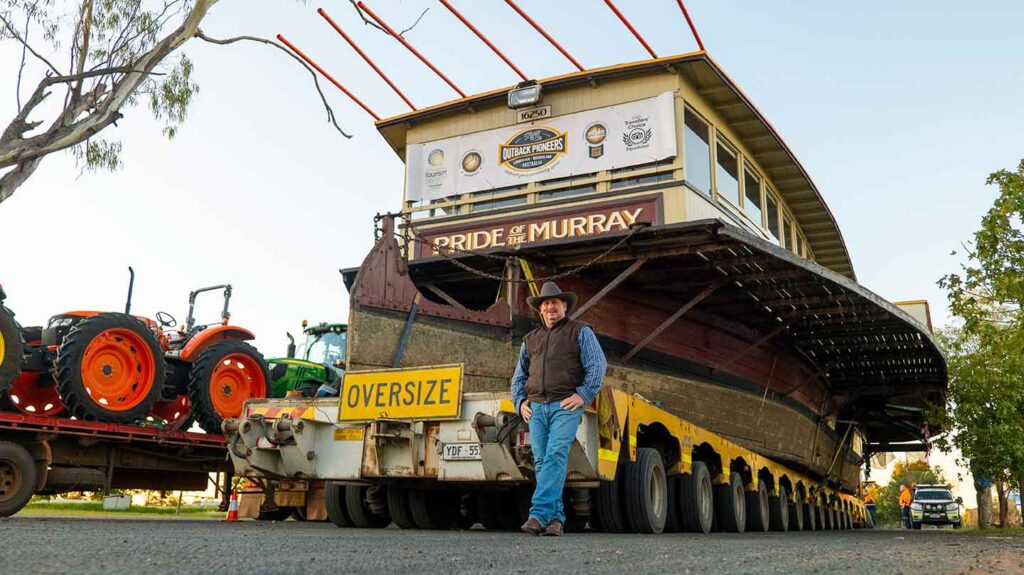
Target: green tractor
pixel 319 366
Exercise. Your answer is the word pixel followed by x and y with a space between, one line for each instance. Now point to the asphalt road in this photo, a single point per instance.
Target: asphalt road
pixel 85 546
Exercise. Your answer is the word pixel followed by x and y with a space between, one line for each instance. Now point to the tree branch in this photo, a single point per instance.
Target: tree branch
pixel 14 34
pixel 422 14
pixel 316 81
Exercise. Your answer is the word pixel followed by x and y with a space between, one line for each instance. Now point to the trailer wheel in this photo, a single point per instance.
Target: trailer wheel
pixel 110 368
pixel 278 514
pixel 574 523
pixel 730 500
pixel 433 509
pixel 778 510
pixel 18 478
pixel 11 349
pixel 809 517
pixel 334 502
pixel 646 492
pixel 696 501
pixel 222 379
pixel 357 503
pixel 398 507
pixel 796 513
pixel 608 504
pixel 672 522
pixel 757 508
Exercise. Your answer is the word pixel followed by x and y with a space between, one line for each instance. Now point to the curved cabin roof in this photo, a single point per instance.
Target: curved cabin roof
pixel 789 177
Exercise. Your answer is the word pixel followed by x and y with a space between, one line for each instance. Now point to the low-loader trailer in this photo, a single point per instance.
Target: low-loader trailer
pixel 409 446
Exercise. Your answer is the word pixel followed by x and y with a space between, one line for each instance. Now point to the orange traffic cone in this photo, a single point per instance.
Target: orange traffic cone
pixel 232 509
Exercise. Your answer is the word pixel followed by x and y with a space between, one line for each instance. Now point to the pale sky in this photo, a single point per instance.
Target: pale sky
pixel 898 111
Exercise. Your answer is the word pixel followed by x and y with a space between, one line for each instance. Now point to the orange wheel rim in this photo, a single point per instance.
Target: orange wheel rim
pixel 236 378
pixel 118 369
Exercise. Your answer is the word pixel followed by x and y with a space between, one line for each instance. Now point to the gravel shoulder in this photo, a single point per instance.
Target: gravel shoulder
pixel 93 545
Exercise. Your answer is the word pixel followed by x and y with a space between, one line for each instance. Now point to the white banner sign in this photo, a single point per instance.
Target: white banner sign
pixel 606 138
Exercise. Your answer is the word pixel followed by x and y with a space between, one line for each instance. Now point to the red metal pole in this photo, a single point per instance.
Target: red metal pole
pixel 408 46
pixel 631 28
pixel 480 35
pixel 326 75
pixel 545 34
pixel 352 43
pixel 689 21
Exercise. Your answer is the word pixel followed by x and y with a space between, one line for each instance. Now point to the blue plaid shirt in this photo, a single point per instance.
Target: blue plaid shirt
pixel 591 356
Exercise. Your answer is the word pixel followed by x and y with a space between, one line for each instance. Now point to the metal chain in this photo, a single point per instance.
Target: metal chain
pixel 445 251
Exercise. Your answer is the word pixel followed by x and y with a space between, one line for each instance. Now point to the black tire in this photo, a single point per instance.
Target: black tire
pixel 200 387
pixel 646 492
pixel 433 509
pixel 758 509
pixel 12 347
pixel 796 513
pixel 398 507
pixel 357 504
pixel 573 523
pixel 608 505
pixel 958 525
pixel 75 391
pixel 672 523
pixel 810 516
pixel 731 505
pixel 18 478
pixel 836 525
pixel 778 510
pixel 334 502
pixel 279 514
pixel 299 513
pixel 915 525
pixel 825 514
pixel 696 499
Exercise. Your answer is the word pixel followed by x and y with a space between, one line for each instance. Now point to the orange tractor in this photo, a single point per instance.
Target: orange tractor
pixel 120 368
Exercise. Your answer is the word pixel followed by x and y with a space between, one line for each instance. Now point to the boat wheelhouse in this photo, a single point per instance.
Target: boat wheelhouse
pixel 704 256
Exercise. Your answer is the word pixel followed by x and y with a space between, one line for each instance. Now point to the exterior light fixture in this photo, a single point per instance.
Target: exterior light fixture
pixel 524 94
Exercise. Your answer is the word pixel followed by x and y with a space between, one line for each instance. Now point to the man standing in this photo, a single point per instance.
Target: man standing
pixel 905 499
pixel 560 370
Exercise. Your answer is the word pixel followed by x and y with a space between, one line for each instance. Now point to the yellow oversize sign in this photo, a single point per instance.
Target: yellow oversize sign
pixel 420 393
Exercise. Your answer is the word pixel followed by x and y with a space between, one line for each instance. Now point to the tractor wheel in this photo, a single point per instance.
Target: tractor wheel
pixel 334 502
pixel 175 414
pixel 758 509
pixel 110 368
pixel 731 504
pixel 18 477
pixel 696 503
pixel 222 379
pixel 35 393
pixel 11 349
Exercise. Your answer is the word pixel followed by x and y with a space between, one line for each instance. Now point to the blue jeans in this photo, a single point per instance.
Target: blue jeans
pixel 552 431
pixel 905 513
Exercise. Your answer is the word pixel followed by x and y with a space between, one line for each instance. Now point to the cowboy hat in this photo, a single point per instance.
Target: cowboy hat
pixel 550 290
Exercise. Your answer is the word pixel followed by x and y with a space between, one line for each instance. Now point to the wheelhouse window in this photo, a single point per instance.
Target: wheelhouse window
pixel 698 152
pixel 771 212
pixel 727 174
pixel 752 195
pixel 787 233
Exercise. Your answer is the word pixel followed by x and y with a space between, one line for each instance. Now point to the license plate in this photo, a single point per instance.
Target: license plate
pixel 422 393
pixel 935 515
pixel 461 452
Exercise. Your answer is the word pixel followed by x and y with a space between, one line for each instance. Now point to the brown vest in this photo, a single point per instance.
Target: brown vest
pixel 555 367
